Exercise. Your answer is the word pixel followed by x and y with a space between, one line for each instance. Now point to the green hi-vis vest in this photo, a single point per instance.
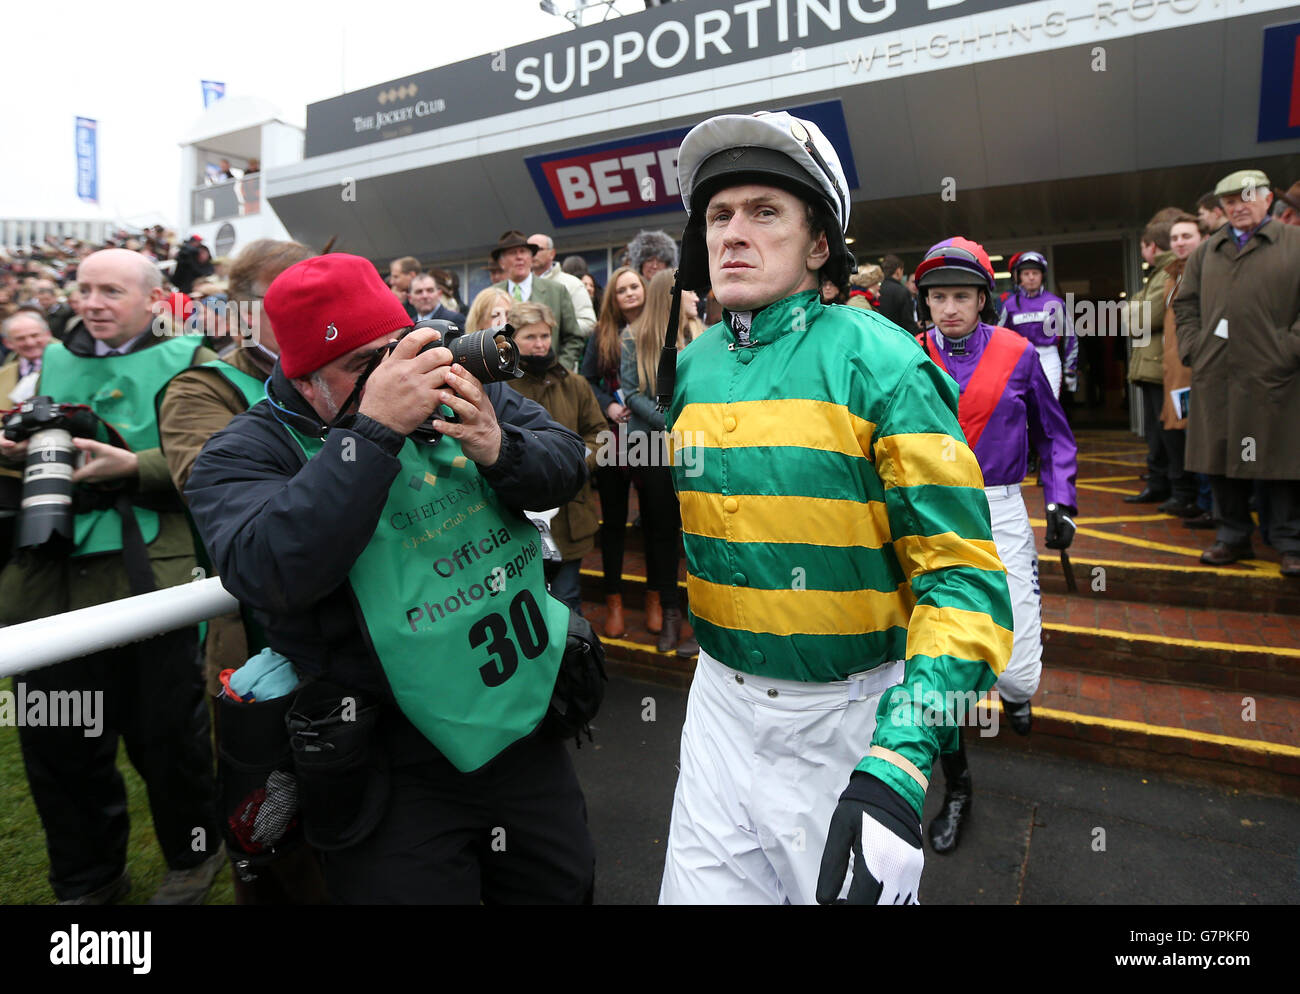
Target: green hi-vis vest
pixel 121 390
pixel 253 389
pixel 454 601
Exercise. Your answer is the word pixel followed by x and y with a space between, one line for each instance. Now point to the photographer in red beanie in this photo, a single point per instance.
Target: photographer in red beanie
pixel 398 576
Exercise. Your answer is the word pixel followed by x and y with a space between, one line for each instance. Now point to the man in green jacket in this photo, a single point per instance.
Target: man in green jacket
pixel 514 253
pixel 130 536
pixel 1144 323
pixel 843 582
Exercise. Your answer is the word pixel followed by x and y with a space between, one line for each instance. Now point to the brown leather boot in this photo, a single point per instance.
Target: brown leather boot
pixel 615 625
pixel 654 615
pixel 672 630
pixel 688 647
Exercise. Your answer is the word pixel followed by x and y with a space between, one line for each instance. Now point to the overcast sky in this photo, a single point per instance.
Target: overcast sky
pixel 136 67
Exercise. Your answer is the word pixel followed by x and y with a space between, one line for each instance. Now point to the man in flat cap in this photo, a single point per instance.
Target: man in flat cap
pixel 1238 316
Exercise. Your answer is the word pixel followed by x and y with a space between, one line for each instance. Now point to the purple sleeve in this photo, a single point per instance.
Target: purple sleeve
pixel 1071 360
pixel 1051 435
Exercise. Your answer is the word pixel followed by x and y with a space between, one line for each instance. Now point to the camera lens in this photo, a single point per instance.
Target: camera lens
pixel 490 356
pixel 47 489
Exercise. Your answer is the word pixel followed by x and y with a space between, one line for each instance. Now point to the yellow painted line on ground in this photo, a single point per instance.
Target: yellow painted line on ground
pixel 1141 543
pixel 1040 522
pixel 1118 462
pixel 599 574
pixel 1264 571
pixel 1075 718
pixel 1115 633
pixel 1110 479
pixel 1109 490
pixel 639 646
pixel 1178 550
pixel 1169 731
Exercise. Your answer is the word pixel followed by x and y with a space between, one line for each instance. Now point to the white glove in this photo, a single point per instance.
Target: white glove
pixel 880 829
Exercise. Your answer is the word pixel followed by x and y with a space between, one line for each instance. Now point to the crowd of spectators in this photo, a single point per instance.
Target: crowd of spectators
pixel 1215 367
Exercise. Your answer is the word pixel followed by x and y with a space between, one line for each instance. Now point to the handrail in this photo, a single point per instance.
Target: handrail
pixel 51 640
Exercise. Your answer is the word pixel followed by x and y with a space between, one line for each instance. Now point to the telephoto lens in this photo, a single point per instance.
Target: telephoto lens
pixel 45 511
pixel 491 355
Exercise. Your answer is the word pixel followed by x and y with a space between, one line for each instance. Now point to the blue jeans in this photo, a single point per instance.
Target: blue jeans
pixel 564 581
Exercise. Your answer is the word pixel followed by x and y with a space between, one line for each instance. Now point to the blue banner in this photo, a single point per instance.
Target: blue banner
pixel 212 92
pixel 1279 86
pixel 87 160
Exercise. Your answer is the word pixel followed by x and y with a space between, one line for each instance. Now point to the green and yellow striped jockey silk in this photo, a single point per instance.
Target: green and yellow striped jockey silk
pixel 835 519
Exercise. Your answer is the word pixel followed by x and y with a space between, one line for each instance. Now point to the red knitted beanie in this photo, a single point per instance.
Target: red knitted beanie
pixel 326 306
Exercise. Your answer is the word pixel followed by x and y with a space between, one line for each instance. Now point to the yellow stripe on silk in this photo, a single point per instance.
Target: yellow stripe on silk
pixel 951 631
pixel 799 612
pixel 765 518
pixel 808 424
pixel 927 553
pixel 926 458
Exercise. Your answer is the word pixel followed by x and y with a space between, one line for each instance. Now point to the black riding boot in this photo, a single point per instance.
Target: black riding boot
pixel 1020 715
pixel 945 830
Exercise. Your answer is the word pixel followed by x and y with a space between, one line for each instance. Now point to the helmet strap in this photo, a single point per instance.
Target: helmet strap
pixel 666 377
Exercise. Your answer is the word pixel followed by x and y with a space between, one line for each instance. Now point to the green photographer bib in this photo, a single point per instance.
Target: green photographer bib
pixel 121 390
pixel 454 603
pixel 253 389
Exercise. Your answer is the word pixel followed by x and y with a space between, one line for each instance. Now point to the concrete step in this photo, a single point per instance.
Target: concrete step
pixel 1106 711
pixel 1219 736
pixel 1154 576
pixel 1095 633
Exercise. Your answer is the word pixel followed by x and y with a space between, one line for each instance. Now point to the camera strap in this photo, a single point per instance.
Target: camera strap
pixel 135 555
pixel 354 396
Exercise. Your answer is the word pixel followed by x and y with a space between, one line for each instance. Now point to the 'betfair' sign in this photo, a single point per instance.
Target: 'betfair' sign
pixel 638 175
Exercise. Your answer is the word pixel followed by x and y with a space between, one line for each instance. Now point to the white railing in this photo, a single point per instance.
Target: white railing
pixel 34 644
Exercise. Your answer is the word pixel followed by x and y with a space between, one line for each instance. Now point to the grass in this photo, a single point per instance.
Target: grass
pixel 24 865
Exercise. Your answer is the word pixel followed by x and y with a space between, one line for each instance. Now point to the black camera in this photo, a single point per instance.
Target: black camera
pixel 48 428
pixel 491 356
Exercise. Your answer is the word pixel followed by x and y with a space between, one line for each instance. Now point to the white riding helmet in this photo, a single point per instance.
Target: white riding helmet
pixel 772 148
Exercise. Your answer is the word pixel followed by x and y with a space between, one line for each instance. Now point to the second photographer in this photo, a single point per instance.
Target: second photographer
pixel 109 529
pixel 396 573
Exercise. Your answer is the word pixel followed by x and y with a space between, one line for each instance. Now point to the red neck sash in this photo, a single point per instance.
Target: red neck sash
pixel 987 383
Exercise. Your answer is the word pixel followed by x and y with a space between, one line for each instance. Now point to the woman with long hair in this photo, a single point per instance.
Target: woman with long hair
pixel 593 290
pixel 623 303
pixel 660 514
pixel 489 310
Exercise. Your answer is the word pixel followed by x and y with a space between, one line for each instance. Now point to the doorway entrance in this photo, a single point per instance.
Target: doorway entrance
pixel 1093 271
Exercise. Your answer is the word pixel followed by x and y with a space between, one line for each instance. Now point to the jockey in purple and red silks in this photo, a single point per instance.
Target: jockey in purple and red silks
pixel 1043 318
pixel 1005 404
